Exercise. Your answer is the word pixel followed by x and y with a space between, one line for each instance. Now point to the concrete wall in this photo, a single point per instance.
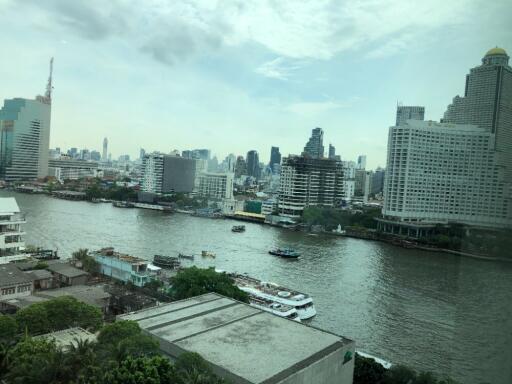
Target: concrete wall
pixel 329 370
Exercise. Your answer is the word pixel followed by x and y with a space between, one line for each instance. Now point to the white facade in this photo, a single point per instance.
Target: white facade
pixel 71 169
pixel 440 173
pixel 404 113
pixel 268 206
pixel 14 283
pixel 215 185
pixel 152 170
pixel 11 240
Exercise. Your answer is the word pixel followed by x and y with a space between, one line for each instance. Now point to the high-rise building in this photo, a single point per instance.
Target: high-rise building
pixel 361 162
pixel 240 167
pixel 253 164
pixel 166 173
pixel 377 183
pixel 215 185
pixel 275 158
pixel 332 151
pixel 306 182
pixel 95 156
pixel 315 146
pixel 142 153
pixel 229 163
pixel 404 113
pixel 104 156
pixel 459 170
pixel 25 136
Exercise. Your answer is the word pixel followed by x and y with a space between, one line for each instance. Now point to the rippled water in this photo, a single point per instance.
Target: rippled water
pixel 431 311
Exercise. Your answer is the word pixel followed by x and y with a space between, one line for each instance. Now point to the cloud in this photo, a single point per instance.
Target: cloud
pixel 312 108
pixel 316 29
pixel 279 68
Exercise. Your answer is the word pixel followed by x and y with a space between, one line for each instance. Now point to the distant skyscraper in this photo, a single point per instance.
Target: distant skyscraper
pixel 361 162
pixel 253 164
pixel 240 166
pixel 104 156
pixel 95 156
pixel 142 153
pixel 25 136
pixel 275 157
pixel 377 183
pixel 332 151
pixel 404 113
pixel 315 146
pixel 167 173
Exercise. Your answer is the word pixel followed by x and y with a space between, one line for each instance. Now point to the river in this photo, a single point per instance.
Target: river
pixel 432 311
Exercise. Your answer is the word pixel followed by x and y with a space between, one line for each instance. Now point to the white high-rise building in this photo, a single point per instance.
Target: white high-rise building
pixel 152 170
pixel 442 173
pixel 361 162
pixel 215 185
pixel 11 234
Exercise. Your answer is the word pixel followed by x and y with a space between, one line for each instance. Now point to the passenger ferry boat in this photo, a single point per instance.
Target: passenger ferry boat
pixel 286 253
pixel 281 310
pixel 302 302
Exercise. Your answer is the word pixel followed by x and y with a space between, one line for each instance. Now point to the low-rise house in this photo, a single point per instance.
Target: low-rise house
pixel 122 267
pixel 42 278
pixel 65 274
pixel 14 283
pixel 11 306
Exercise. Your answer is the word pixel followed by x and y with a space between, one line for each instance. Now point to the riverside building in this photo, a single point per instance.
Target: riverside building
pixel 25 136
pixel 167 173
pixel 11 234
pixel 215 185
pixel 71 169
pixel 306 182
pixel 457 171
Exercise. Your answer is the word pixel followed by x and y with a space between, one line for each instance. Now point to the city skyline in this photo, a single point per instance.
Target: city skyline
pixel 277 83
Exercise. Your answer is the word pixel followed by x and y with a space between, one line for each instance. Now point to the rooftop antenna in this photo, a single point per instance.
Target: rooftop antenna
pixel 49 86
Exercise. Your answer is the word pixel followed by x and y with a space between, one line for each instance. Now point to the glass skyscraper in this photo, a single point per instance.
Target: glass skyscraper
pixel 24 138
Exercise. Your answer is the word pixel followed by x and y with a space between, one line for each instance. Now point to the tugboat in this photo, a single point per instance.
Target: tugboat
pixel 285 252
pixel 208 254
pixel 238 228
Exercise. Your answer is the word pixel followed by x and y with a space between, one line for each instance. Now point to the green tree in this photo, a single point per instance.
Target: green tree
pixel 33 319
pixel 88 263
pixel 34 361
pixel 195 281
pixel 8 329
pixel 142 370
pixel 398 374
pixel 367 371
pixel 41 265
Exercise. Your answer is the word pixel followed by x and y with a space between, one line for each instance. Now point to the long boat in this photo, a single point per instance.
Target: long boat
pixel 303 303
pixel 281 310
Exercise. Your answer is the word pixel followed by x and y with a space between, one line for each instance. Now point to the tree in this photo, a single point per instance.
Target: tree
pixel 367 371
pixel 399 374
pixel 34 361
pixel 114 333
pixel 194 281
pixel 142 370
pixel 59 313
pixel 88 263
pixel 8 329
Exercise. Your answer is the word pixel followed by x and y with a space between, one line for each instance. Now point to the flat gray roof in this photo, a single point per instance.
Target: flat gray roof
pixel 8 205
pixel 11 275
pixel 89 294
pixel 66 269
pixel 68 337
pixel 252 344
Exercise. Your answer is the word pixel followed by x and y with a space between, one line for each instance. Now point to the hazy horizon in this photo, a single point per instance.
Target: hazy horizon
pixel 235 76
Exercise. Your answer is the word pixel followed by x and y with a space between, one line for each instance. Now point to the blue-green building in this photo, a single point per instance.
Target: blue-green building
pixel 24 138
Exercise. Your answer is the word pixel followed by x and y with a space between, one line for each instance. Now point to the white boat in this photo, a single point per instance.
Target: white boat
pixel 302 302
pixel 281 310
pixel 384 363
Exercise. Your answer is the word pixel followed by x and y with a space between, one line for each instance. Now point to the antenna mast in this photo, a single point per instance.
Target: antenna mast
pixel 49 86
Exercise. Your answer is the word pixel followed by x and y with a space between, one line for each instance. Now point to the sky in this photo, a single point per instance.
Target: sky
pixel 233 76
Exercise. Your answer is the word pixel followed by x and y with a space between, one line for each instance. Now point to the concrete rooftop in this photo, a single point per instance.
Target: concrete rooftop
pixel 250 343
pixel 8 205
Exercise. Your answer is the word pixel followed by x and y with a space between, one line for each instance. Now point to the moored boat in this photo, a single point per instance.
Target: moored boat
pixel 208 254
pixel 238 228
pixel 278 309
pixel 183 256
pixel 303 303
pixel 122 204
pixel 166 261
pixel 285 252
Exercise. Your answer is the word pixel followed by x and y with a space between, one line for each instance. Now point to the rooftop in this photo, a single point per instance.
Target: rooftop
pixel 109 252
pixel 8 205
pixel 249 343
pixel 90 294
pixel 39 274
pixel 496 51
pixel 66 269
pixel 68 337
pixel 25 301
pixel 10 275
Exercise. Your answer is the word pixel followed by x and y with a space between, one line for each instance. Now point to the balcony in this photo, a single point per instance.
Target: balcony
pixel 18 218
